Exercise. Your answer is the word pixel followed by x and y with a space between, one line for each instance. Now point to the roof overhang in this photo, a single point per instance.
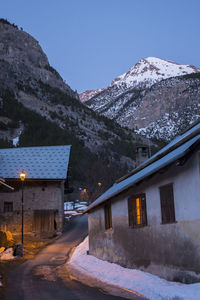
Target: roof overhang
pixel 2 181
pixel 159 161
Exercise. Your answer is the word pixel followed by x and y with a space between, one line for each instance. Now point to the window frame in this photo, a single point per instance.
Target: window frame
pixel 8 206
pixel 168 215
pixel 133 216
pixel 108 216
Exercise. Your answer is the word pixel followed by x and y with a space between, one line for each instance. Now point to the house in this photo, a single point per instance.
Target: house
pixel 43 188
pixel 150 218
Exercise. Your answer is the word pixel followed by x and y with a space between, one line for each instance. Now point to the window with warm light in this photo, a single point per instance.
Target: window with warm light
pixel 137 211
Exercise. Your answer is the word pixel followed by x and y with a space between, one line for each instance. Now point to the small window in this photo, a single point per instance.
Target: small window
pixel 137 211
pixel 167 203
pixel 8 206
pixel 108 216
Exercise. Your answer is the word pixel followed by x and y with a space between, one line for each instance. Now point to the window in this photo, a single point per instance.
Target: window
pixel 137 211
pixel 167 203
pixel 8 206
pixel 108 216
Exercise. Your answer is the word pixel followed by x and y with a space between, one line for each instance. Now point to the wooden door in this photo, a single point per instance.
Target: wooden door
pixel 44 221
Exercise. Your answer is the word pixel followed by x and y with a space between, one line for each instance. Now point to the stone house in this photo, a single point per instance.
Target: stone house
pixel 150 218
pixel 46 171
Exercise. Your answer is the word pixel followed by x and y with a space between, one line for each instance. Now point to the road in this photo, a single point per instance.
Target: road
pixel 46 278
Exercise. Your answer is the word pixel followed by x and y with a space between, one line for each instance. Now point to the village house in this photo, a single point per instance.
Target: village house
pixel 150 218
pixel 46 170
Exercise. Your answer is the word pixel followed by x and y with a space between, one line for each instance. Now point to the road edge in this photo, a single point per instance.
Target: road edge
pixel 75 273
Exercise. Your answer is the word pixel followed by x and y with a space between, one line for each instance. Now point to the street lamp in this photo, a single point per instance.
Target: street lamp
pixel 22 177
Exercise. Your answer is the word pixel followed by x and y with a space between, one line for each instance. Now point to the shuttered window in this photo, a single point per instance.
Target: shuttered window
pixel 167 203
pixel 137 211
pixel 108 216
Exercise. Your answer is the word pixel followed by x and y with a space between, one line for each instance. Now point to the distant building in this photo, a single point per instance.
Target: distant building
pixel 150 218
pixel 46 171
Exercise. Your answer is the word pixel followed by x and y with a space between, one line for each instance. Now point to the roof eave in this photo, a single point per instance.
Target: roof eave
pixel 136 181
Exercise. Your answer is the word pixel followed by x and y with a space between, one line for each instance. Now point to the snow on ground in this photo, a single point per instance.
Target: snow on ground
pixel 146 284
pixel 72 213
pixel 75 206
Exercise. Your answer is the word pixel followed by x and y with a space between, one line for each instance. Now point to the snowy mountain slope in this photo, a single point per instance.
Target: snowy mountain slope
pixel 149 92
pixel 89 94
pixel 38 108
pixel 151 70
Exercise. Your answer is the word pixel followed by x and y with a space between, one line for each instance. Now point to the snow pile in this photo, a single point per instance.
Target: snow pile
pixel 147 285
pixel 72 213
pixel 75 206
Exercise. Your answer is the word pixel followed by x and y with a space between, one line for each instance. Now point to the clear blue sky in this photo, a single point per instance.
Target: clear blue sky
pixel 90 42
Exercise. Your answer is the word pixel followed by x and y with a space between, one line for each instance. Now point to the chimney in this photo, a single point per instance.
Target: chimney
pixel 142 154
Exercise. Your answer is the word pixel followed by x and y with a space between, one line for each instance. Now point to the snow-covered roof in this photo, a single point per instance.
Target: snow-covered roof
pixel 47 162
pixel 172 152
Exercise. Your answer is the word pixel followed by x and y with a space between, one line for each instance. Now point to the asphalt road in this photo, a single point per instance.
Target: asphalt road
pixel 46 277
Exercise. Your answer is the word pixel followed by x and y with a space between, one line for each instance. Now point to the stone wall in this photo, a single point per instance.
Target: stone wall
pixel 168 250
pixel 42 199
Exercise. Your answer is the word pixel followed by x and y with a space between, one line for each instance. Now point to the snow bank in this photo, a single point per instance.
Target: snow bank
pixel 147 285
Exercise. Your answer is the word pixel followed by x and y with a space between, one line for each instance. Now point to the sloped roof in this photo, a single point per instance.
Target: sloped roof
pixel 47 162
pixel 172 152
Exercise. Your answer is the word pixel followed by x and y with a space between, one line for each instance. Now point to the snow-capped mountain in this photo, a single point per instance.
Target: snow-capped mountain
pixel 151 70
pixel 85 96
pixel 129 98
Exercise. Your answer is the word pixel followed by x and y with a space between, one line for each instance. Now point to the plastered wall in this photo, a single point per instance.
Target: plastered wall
pixel 168 250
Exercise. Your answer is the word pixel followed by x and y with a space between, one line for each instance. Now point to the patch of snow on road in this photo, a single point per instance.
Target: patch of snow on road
pixel 147 285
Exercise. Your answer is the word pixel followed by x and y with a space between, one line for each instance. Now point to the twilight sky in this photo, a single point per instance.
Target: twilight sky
pixel 90 42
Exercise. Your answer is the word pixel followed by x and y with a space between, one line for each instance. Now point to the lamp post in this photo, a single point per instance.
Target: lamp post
pixel 22 177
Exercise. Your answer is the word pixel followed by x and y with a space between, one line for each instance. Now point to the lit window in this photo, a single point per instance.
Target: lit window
pixel 137 211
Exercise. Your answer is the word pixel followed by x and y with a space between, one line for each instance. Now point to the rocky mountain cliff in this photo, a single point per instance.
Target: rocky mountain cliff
pixel 156 97
pixel 38 108
pixel 24 62
pixel 89 94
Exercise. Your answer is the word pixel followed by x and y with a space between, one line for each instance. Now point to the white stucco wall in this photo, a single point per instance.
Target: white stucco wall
pixel 176 244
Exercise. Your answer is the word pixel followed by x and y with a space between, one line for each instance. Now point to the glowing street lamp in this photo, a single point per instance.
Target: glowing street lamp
pixel 99 184
pixel 22 177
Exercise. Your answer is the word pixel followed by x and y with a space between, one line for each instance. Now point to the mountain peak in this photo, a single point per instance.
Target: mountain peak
pixel 150 70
